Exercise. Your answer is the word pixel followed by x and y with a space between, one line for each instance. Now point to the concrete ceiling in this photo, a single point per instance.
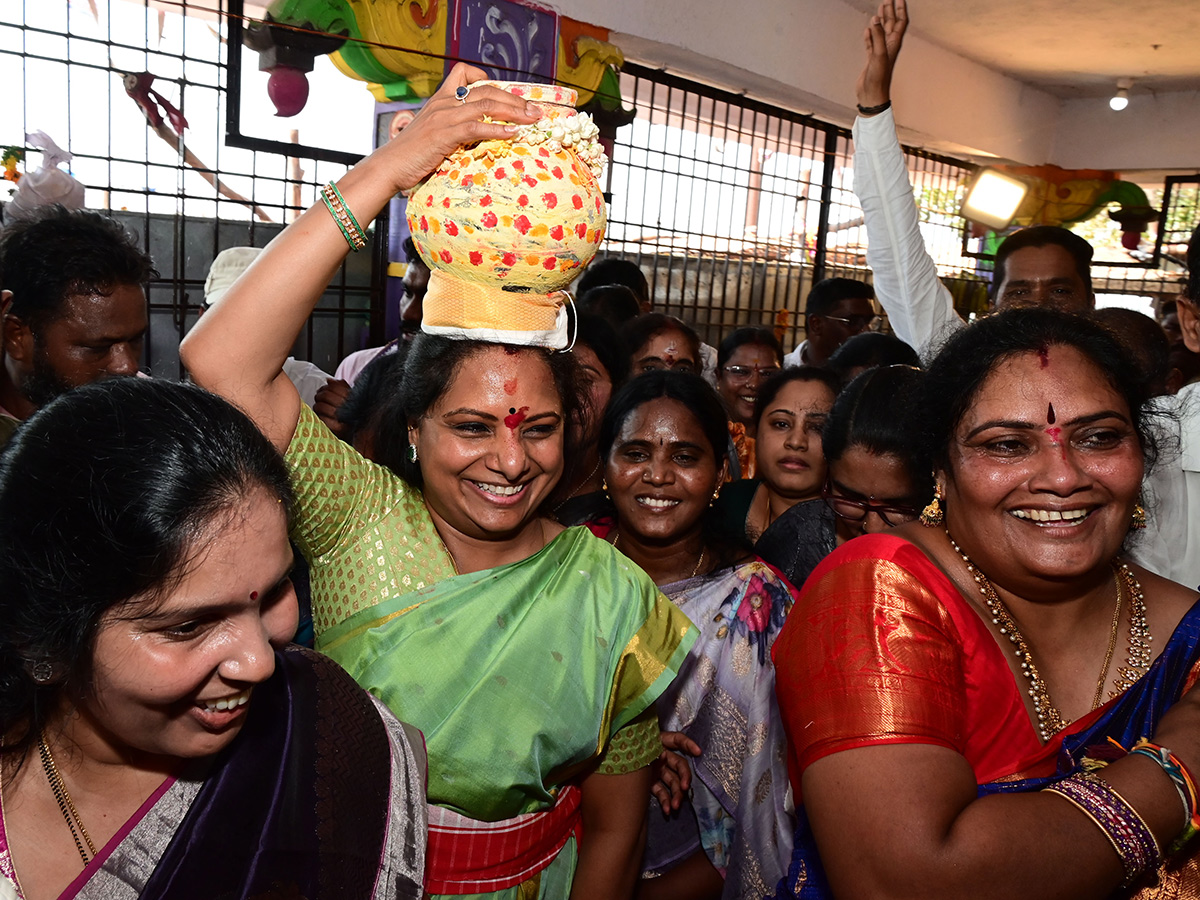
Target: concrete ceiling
pixel 1069 48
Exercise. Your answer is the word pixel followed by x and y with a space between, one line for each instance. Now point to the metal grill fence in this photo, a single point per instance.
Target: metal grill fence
pixel 735 208
pixel 64 70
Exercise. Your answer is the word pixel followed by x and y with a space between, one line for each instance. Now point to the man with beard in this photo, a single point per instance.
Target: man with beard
pixel 73 307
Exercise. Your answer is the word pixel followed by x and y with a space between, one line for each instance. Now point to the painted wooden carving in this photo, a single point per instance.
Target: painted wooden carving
pixel 1065 196
pixel 511 41
pixel 584 57
pixel 507 40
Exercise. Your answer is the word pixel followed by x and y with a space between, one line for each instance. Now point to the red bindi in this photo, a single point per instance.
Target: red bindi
pixel 254 595
pixel 510 386
pixel 515 417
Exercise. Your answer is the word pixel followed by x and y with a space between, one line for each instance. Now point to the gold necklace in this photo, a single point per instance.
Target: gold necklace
pixel 578 487
pixel 767 515
pixel 1049 719
pixel 1112 645
pixel 65 804
pixel 1140 654
pixel 695 569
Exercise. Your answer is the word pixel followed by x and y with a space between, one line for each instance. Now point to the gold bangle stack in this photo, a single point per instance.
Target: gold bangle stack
pixel 345 220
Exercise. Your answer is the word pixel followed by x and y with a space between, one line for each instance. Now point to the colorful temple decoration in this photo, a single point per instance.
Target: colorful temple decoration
pixel 1066 196
pixel 402 50
pixel 511 41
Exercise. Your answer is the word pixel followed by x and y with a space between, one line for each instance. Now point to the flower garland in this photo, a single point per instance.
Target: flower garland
pixel 578 133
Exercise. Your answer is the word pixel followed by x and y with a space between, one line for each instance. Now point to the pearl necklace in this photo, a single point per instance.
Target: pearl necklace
pixel 1049 719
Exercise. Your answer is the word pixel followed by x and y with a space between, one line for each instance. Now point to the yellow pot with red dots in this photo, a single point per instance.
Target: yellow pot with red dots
pixel 505 226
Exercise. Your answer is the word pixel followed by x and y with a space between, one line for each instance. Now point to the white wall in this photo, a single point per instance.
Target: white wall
pixel 1156 131
pixel 806 55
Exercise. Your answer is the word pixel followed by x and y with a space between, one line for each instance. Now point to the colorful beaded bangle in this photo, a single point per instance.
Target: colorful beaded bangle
pixel 343 217
pixel 1126 831
pixel 1185 786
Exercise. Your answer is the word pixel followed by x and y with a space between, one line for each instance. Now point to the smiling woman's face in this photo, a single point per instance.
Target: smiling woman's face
pixel 491 446
pixel 743 374
pixel 1044 470
pixel 174 677
pixel 661 472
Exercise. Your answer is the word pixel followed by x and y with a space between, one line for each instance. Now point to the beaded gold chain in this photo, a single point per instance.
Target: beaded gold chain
pixel 1140 653
pixel 1049 719
pixel 65 804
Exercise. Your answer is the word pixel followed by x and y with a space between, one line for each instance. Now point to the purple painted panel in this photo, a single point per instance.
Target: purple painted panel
pixel 511 42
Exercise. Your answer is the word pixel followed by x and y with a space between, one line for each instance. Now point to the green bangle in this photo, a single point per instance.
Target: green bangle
pixel 337 221
pixel 345 220
pixel 346 207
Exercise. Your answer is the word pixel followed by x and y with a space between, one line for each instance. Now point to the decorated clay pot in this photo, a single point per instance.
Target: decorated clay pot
pixel 506 225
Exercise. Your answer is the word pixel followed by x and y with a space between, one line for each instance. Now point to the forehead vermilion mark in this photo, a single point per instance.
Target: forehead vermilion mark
pixel 515 417
pixel 1050 417
pixel 510 386
pixel 254 595
pixel 1044 355
pixel 1055 434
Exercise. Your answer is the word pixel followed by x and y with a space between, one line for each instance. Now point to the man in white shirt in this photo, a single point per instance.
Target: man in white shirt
pixel 1043 265
pixel 1176 485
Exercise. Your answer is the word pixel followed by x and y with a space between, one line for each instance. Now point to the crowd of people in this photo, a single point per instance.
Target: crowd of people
pixel 888 615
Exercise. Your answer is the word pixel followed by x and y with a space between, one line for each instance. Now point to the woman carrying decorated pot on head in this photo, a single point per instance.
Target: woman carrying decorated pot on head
pixel 443 589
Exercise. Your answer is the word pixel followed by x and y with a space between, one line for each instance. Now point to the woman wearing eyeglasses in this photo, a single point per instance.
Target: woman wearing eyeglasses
pixel 746 359
pixel 663 444
pixel 876 480
pixel 869 479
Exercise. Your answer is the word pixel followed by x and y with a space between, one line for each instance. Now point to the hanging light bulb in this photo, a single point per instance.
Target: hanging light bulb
pixel 1120 99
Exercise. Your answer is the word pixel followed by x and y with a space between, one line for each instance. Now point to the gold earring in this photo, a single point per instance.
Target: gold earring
pixel 1139 516
pixel 604 486
pixel 716 494
pixel 932 515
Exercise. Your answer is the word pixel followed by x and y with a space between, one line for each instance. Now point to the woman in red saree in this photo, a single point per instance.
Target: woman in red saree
pixel 941 686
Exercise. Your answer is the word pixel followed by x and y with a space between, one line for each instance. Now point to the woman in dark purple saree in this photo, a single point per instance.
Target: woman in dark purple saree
pixel 159 738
